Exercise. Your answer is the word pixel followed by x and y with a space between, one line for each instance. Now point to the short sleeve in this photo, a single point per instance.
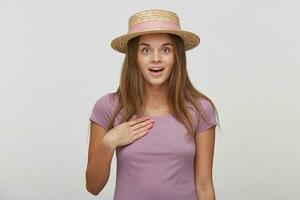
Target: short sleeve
pixel 101 111
pixel 210 117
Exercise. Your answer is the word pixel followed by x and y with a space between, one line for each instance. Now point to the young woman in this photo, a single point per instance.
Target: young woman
pixel 162 128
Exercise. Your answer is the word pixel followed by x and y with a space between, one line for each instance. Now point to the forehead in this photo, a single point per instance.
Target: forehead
pixel 155 38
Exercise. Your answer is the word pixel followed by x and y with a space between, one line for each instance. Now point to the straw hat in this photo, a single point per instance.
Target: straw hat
pixel 154 21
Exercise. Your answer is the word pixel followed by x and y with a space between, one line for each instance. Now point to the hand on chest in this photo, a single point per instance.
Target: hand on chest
pixel 165 140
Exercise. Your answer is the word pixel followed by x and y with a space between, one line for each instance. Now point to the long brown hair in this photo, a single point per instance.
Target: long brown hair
pixel 179 89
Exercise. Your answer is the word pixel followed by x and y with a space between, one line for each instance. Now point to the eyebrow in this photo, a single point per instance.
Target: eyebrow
pixel 145 44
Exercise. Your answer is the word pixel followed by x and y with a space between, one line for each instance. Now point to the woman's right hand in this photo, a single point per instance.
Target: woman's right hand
pixel 128 132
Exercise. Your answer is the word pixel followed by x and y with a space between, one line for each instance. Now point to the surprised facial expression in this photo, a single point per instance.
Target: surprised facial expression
pixel 155 57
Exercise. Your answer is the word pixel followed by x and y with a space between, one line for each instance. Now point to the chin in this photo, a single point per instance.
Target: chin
pixel 156 82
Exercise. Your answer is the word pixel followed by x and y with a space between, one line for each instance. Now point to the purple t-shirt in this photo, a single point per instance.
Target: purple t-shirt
pixel 159 165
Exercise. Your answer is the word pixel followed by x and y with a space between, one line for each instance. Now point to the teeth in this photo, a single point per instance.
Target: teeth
pixel 156 68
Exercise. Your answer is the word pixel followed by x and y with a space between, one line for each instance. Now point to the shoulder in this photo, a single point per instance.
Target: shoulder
pixel 203 103
pixel 206 104
pixel 107 100
pixel 103 108
pixel 207 117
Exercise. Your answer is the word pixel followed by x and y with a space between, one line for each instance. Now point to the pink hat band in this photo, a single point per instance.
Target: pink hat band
pixel 154 25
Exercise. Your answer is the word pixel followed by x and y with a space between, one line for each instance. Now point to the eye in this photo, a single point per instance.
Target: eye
pixel 166 50
pixel 145 50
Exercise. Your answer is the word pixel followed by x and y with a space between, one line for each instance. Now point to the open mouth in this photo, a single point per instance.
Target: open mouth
pixel 156 69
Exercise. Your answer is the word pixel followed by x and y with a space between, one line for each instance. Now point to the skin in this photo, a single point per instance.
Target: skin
pixel 155 50
pixel 102 146
pixel 204 144
pixel 103 143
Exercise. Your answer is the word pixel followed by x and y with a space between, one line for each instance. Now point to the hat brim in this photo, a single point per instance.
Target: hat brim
pixel 191 40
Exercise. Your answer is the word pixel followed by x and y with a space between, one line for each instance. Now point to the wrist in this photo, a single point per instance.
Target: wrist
pixel 109 143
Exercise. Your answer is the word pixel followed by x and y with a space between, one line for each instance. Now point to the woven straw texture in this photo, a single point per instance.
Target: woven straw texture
pixel 191 40
pixel 149 15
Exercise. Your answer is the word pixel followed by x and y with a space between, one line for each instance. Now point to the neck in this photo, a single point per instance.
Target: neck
pixel 156 96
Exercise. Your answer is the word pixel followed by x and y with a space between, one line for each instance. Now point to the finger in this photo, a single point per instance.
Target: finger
pixel 135 121
pixel 139 135
pixel 141 125
pixel 137 131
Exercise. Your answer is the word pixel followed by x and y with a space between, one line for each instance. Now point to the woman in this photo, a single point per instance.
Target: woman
pixel 162 128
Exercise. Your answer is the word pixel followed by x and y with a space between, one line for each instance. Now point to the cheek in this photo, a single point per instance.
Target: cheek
pixel 142 64
pixel 170 61
pixel 141 60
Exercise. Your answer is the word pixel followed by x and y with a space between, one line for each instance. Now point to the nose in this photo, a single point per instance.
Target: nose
pixel 156 56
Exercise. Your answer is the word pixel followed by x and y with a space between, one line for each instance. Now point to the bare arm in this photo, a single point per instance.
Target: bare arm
pixel 204 164
pixel 99 160
pixel 102 146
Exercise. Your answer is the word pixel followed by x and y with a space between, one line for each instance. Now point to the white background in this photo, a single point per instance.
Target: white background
pixel 56 61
